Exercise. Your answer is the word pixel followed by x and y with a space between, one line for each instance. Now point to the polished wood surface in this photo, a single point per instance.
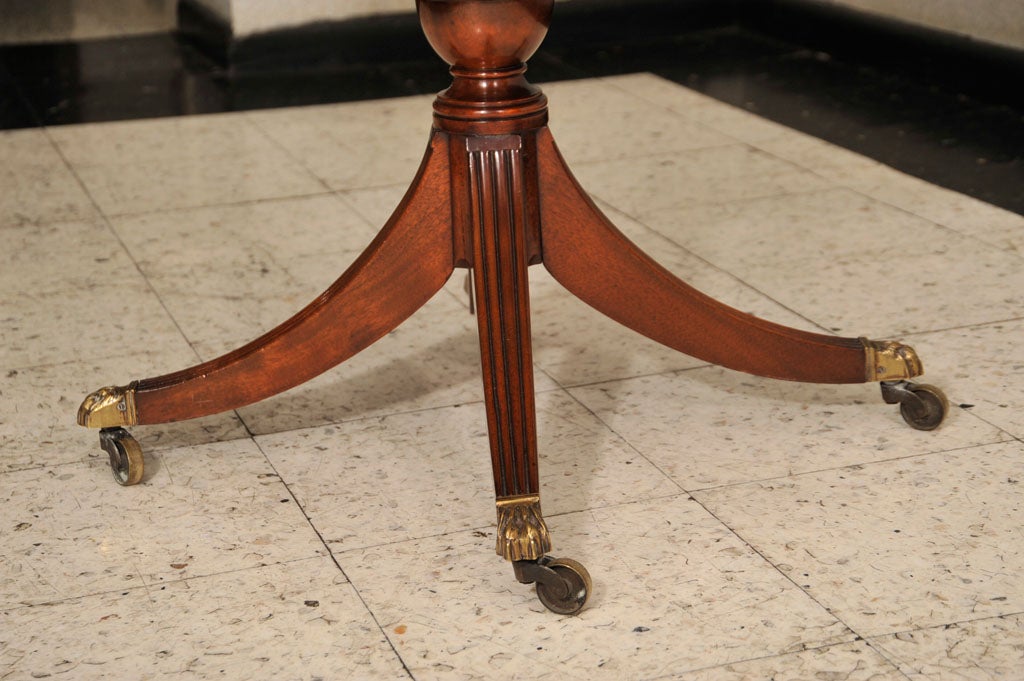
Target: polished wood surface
pixel 500 197
pixel 406 264
pixel 494 195
pixel 634 290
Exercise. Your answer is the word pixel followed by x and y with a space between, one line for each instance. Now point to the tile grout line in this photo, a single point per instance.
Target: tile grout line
pixel 893 659
pixel 830 331
pixel 135 263
pixel 1009 439
pixel 221 204
pixel 673 675
pixel 629 444
pixel 287 152
pixel 149 585
pixel 691 496
pixel 334 559
pixel 789 579
pixel 120 241
pixel 718 268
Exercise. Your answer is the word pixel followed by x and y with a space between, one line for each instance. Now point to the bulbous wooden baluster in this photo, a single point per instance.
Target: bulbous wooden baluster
pixel 485 35
pixel 487 43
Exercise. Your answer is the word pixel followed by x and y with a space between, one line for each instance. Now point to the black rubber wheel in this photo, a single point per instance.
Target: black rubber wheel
pixel 576 579
pixel 928 410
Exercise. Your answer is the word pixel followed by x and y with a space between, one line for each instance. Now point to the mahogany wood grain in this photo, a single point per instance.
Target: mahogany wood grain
pixel 494 194
pixel 499 193
pixel 587 255
pixel 404 266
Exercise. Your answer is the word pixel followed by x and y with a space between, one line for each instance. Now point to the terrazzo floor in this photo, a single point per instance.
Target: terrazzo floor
pixel 735 527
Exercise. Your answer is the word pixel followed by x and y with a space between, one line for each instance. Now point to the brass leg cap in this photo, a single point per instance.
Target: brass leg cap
pixel 109 407
pixel 890 361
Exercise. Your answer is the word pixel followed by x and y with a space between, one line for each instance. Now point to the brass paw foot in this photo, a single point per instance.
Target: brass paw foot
pixel 522 532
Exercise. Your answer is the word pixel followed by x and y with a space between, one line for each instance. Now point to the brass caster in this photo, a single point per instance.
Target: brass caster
pixel 922 406
pixel 563 584
pixel 126 461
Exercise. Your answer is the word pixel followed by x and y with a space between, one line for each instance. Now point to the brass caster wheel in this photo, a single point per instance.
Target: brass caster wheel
pixel 126 461
pixel 922 406
pixel 563 584
pixel 569 597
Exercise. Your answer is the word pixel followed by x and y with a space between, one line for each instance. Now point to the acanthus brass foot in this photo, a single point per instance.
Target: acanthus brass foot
pixel 522 532
pixel 109 407
pixel 890 361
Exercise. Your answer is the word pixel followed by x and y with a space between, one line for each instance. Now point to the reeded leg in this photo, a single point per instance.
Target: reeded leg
pixel 500 222
pixel 497 224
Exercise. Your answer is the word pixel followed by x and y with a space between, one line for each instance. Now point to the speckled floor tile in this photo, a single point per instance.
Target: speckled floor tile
pixel 418 474
pixel 37 184
pixel 980 649
pixel 72 531
pixel 807 230
pixel 50 327
pixel 359 144
pixel 55 256
pixel 709 427
pixel 575 344
pixel 821 241
pixel 140 166
pixel 25 147
pixel 674 590
pixel 161 140
pixel 286 229
pixel 896 545
pixel 296 620
pixel 832 162
pixel 220 306
pixel 838 166
pixel 940 205
pixel 228 274
pixel 38 406
pixel 627 126
pixel 950 209
pixel 846 661
pixel 199 181
pixel 938 291
pixel 983 366
pixel 375 204
pixel 642 185
pixel 721 117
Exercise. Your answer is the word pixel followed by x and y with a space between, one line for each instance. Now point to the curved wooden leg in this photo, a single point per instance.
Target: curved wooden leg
pixel 590 257
pixel 406 264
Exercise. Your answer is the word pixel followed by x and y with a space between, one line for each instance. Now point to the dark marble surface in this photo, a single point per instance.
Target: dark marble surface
pixel 910 106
